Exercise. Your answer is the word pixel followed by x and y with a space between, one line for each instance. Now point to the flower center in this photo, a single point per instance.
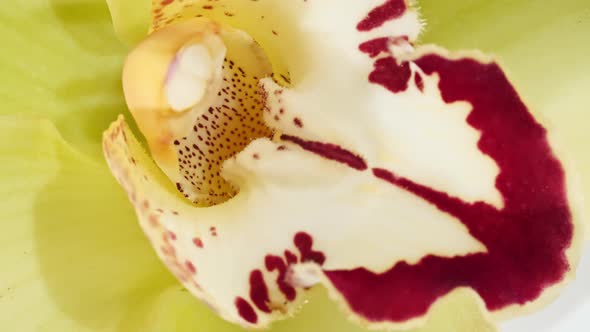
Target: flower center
pixel 210 106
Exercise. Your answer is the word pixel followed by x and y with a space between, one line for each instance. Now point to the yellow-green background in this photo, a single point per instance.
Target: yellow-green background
pixel 71 256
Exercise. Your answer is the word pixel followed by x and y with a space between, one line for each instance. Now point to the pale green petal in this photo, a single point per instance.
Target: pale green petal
pixel 61 59
pixel 131 18
pixel 543 46
pixel 72 256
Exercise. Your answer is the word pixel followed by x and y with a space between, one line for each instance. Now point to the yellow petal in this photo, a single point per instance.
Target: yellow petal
pixel 72 256
pixel 131 19
pixel 61 60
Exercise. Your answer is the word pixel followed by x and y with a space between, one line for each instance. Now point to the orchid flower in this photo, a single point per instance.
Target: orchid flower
pixel 295 165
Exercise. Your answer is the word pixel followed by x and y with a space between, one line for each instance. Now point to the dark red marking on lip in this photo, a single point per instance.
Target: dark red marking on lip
pixel 375 46
pixel 259 291
pixel 277 263
pixel 390 10
pixel 392 74
pixel 191 267
pixel 172 235
pixel 419 81
pixel 198 242
pixel 290 257
pixel 304 242
pixel 246 311
pixel 329 151
pixel 526 240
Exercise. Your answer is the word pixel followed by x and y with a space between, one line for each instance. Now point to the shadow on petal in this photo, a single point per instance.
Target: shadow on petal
pixel 77 16
pixel 95 263
pixel 99 99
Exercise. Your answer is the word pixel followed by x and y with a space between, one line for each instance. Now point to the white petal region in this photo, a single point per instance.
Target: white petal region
pixel 289 210
pixel 392 173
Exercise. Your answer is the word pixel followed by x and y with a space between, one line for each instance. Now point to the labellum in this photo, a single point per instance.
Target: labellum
pixel 296 143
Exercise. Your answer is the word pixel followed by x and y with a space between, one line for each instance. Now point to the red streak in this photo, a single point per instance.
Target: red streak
pixel 259 291
pixel 276 263
pixel 329 151
pixel 375 46
pixel 390 10
pixel 304 242
pixel 391 74
pixel 246 311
